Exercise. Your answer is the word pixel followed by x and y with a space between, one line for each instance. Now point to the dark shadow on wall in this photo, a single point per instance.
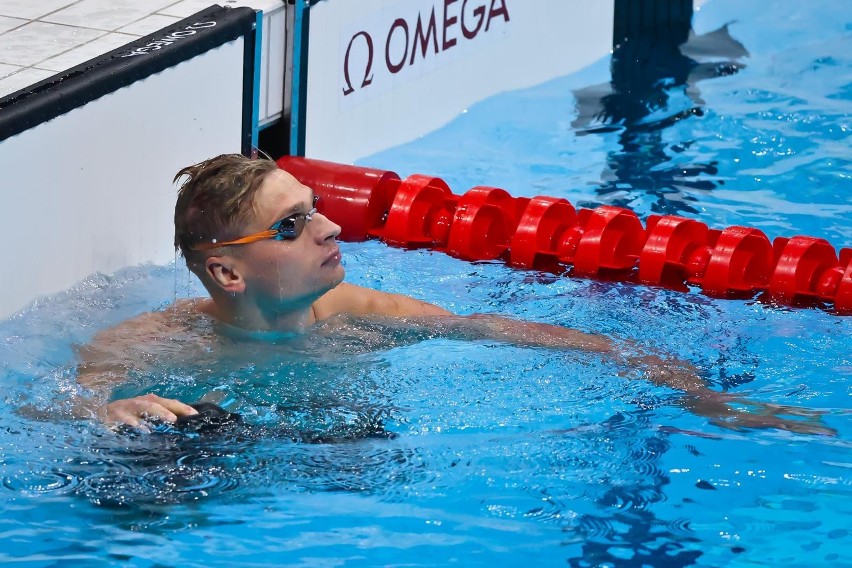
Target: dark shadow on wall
pixel 657 63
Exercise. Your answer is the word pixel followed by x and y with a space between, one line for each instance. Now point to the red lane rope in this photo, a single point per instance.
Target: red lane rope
pixel 547 233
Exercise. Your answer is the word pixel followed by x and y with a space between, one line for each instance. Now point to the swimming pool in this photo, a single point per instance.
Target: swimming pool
pixel 435 451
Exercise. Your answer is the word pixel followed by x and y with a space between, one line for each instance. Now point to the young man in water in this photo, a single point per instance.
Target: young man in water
pixel 270 262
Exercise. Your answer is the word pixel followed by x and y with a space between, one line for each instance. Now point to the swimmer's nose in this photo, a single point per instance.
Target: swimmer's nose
pixel 324 228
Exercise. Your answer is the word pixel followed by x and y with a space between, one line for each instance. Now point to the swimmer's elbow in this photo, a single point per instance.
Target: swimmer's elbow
pixel 428 309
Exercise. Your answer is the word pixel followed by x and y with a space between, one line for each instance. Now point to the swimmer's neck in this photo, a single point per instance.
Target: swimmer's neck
pixel 296 320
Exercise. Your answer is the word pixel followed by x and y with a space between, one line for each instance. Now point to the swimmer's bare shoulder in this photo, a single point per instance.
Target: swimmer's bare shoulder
pixel 180 316
pixel 114 350
pixel 360 301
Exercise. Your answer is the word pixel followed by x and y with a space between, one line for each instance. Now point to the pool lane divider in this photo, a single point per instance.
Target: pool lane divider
pixel 547 233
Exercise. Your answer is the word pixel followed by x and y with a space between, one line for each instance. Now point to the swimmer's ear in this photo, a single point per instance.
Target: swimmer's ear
pixel 223 272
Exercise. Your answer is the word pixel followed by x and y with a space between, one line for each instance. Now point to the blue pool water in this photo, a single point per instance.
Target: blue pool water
pixel 383 448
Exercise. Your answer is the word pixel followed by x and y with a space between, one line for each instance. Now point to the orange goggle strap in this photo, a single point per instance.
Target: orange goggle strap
pixel 271 233
pixel 263 235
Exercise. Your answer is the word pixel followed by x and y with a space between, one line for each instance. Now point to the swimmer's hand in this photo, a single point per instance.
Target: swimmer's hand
pixel 724 409
pixel 140 410
pixel 721 409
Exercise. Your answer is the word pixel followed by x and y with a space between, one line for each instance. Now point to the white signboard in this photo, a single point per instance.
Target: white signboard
pixel 382 72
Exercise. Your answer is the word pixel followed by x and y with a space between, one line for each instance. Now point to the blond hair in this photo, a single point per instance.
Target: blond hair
pixel 216 200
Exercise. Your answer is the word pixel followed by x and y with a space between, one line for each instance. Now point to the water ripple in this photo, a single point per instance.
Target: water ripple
pixel 188 480
pixel 33 483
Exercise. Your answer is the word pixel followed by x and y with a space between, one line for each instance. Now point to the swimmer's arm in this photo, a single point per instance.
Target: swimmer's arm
pixel 367 302
pixel 105 363
pixel 658 368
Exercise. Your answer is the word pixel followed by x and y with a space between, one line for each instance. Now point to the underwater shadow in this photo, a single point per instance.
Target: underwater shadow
pixel 654 86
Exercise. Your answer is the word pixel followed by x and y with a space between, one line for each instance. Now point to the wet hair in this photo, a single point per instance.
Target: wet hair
pixel 216 200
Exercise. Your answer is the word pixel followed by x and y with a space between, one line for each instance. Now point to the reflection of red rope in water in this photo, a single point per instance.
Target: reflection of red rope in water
pixel 544 232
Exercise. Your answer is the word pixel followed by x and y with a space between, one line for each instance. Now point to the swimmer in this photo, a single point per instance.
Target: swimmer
pixel 270 263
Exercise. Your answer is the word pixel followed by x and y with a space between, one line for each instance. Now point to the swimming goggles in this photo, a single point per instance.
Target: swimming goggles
pixel 286 229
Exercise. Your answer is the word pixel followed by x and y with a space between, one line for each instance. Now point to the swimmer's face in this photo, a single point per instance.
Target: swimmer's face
pixel 282 274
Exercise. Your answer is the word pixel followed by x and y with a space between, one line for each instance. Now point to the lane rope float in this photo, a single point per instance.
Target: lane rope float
pixel 547 233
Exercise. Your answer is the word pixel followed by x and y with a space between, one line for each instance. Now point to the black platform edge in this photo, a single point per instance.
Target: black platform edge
pixel 651 20
pixel 121 67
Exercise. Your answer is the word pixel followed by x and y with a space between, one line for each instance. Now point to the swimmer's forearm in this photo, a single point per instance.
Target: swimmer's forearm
pixel 672 373
pixel 88 408
pixel 98 383
pixel 661 371
pixel 536 334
